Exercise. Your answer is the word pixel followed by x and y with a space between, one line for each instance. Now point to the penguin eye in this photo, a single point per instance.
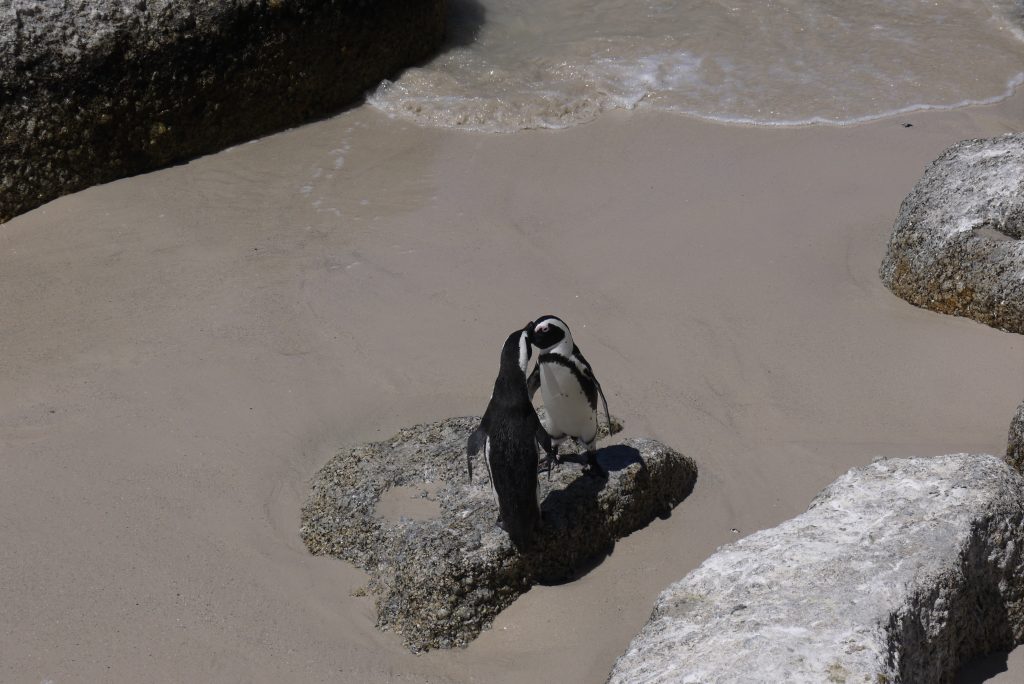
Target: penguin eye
pixel 544 328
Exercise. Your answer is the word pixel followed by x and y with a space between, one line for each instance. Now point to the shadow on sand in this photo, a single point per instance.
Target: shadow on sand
pixel 578 533
pixel 982 668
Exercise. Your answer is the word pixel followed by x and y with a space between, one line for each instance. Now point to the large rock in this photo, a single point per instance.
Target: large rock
pixel 956 246
pixel 440 579
pixel 92 90
pixel 1015 441
pixel 898 572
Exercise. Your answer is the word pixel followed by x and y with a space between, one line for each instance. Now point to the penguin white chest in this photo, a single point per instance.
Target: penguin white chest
pixel 569 411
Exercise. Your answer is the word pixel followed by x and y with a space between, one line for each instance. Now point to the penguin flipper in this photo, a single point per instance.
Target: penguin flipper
pixel 533 382
pixel 544 440
pixel 582 359
pixel 607 415
pixel 590 373
pixel 474 444
pixel 550 449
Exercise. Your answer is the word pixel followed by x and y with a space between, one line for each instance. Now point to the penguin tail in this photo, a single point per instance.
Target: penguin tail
pixel 522 536
pixel 476 441
pixel 522 525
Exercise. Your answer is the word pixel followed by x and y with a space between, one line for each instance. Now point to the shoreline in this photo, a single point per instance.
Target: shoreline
pixel 185 349
pixel 1013 88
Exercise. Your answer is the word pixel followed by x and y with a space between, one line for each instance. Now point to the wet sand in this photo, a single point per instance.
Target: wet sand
pixel 181 351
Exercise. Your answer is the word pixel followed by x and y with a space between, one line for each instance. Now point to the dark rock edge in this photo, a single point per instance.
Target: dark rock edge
pixel 1015 441
pixel 166 83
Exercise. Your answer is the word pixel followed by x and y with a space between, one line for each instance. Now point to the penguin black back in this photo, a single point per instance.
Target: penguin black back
pixel 509 433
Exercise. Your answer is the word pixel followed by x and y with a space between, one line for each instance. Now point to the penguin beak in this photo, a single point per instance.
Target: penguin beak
pixel 529 332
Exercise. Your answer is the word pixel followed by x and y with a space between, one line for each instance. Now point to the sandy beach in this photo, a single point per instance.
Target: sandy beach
pixel 183 350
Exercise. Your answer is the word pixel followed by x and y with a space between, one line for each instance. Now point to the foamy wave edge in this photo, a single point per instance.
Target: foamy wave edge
pixel 1011 87
pixel 616 103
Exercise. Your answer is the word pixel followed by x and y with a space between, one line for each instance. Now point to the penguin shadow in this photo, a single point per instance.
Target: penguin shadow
pixel 576 535
pixel 614 458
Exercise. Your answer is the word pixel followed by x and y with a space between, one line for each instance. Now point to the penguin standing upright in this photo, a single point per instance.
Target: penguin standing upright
pixel 509 433
pixel 569 389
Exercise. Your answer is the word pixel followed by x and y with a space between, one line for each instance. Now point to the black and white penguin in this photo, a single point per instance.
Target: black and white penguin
pixel 509 434
pixel 568 387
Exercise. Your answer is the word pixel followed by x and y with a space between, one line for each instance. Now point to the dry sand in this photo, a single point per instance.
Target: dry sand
pixel 181 351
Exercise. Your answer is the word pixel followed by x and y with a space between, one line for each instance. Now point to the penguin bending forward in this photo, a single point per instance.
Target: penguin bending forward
pixel 509 433
pixel 569 389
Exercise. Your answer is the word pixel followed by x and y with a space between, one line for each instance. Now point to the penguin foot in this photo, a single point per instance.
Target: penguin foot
pixel 594 468
pixel 545 464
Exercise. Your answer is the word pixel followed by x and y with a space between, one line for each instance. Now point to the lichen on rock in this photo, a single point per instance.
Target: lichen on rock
pixel 898 572
pixel 956 246
pixel 439 581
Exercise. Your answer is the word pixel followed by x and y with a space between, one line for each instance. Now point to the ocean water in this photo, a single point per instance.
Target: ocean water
pixel 517 64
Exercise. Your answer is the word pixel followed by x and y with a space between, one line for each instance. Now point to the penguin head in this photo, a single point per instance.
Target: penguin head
pixel 551 334
pixel 518 350
pixel 525 346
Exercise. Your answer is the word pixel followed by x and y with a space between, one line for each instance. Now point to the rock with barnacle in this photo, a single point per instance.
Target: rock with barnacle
pixel 956 247
pixel 440 578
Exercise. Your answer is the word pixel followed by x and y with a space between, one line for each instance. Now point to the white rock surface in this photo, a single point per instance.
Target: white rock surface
pixel 898 572
pixel 956 246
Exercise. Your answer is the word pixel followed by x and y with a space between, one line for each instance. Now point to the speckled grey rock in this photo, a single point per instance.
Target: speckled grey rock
pixel 956 246
pixel 92 90
pixel 1015 441
pixel 438 582
pixel 898 572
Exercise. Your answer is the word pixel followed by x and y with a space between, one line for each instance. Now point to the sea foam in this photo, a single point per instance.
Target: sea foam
pixel 553 64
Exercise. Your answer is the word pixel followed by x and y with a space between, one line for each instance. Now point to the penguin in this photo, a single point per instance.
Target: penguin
pixel 569 389
pixel 509 434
